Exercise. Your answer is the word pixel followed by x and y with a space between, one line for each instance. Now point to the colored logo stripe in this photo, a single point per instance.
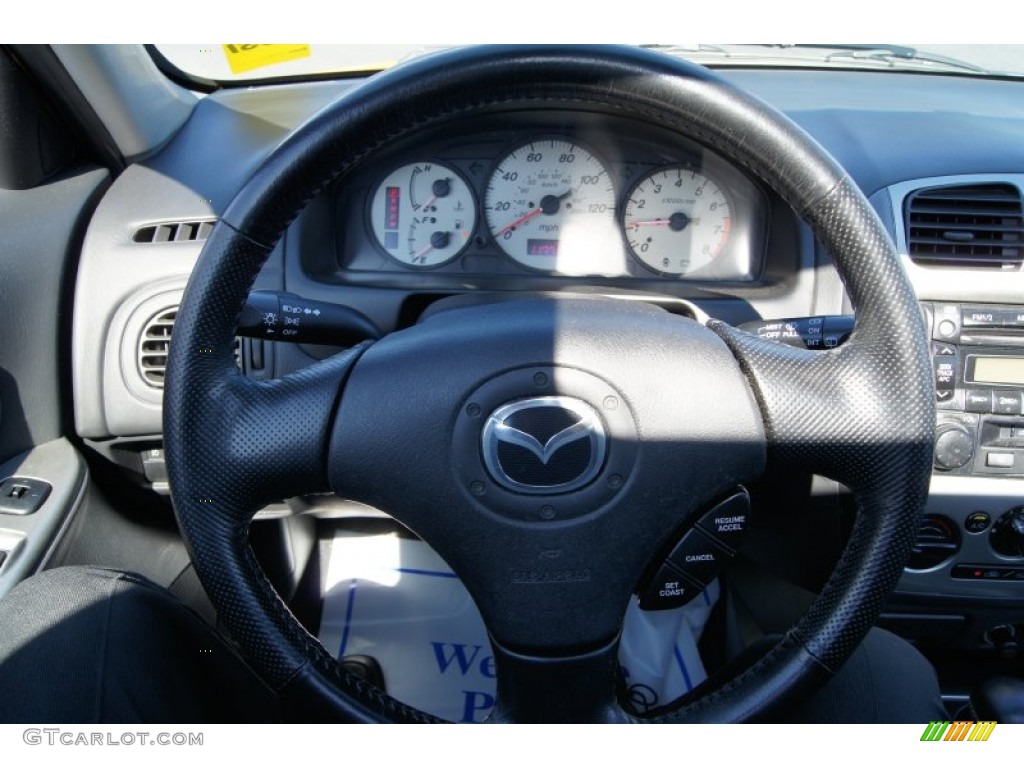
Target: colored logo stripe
pixel 982 731
pixel 960 730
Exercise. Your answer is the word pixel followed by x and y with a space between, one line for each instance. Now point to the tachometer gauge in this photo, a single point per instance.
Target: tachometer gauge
pixel 677 220
pixel 550 204
pixel 423 214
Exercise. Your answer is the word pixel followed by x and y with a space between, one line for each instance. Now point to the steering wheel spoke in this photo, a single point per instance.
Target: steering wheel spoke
pixel 265 441
pixel 816 406
pixel 862 413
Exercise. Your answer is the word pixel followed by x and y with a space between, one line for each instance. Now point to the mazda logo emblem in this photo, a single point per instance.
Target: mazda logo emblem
pixel 544 445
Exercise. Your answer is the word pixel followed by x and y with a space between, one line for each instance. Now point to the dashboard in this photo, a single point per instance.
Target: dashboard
pixel 557 199
pixel 553 192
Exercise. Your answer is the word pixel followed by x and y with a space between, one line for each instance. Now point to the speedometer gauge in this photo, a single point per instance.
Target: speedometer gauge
pixel 677 220
pixel 423 214
pixel 550 204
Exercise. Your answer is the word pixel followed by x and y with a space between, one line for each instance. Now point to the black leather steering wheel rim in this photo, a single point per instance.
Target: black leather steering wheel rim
pixel 233 445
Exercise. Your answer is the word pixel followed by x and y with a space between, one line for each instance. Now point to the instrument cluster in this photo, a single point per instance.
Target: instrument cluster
pixel 557 199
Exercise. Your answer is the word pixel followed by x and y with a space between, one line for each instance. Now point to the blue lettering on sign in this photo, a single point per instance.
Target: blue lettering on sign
pixel 464 657
pixel 475 701
pixel 457 654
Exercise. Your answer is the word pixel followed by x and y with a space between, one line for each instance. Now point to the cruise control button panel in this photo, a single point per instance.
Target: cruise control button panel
pixel 698 556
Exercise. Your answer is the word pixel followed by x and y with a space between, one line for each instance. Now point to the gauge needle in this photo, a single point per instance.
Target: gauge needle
pixel 659 222
pixel 650 223
pixel 440 188
pixel 520 220
pixel 437 240
pixel 549 205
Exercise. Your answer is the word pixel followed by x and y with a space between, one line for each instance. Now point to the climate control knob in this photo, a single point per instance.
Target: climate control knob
pixel 1008 533
pixel 954 446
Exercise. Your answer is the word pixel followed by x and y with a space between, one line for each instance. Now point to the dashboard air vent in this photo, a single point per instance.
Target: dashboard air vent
pixel 154 342
pixel 938 539
pixel 174 232
pixel 977 226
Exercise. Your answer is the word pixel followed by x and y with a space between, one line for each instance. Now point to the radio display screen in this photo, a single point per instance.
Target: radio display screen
pixel 996 370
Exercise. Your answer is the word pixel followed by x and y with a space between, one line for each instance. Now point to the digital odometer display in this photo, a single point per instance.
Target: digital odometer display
pixel 535 247
pixel 996 370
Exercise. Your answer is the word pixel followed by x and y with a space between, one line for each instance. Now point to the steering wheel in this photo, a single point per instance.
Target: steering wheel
pixel 675 414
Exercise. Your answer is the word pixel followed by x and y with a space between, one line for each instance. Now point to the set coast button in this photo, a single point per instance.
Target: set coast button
pixel 668 589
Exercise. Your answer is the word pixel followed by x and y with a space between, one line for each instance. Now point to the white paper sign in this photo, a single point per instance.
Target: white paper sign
pixel 396 600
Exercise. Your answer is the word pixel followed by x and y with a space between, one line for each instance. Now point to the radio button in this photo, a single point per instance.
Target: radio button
pixel 946 321
pixel 981 317
pixel 943 350
pixel 945 372
pixel 978 401
pixel 1011 318
pixel 999 460
pixel 1006 403
pixel 943 395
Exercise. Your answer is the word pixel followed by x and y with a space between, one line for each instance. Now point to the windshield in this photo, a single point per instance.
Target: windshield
pixel 224 63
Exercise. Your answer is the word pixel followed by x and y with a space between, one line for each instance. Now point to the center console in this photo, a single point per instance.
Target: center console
pixel 978 360
pixel 968 561
pixel 964 582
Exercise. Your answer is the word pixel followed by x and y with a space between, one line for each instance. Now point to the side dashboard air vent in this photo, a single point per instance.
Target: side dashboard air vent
pixel 154 342
pixel 938 539
pixel 979 225
pixel 174 232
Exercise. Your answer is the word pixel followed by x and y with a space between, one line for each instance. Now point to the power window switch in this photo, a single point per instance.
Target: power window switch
pixel 22 495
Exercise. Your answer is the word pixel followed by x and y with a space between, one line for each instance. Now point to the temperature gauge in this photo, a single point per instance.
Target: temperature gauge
pixel 423 214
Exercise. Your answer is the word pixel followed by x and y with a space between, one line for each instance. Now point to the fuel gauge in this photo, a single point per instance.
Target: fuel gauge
pixel 423 214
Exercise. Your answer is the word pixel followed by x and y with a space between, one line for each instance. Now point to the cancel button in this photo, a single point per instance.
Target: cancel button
pixel 698 557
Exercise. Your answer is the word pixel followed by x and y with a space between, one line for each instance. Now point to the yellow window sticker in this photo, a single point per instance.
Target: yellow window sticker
pixel 243 57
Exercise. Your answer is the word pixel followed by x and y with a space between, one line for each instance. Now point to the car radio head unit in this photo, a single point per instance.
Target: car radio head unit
pixel 978 361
